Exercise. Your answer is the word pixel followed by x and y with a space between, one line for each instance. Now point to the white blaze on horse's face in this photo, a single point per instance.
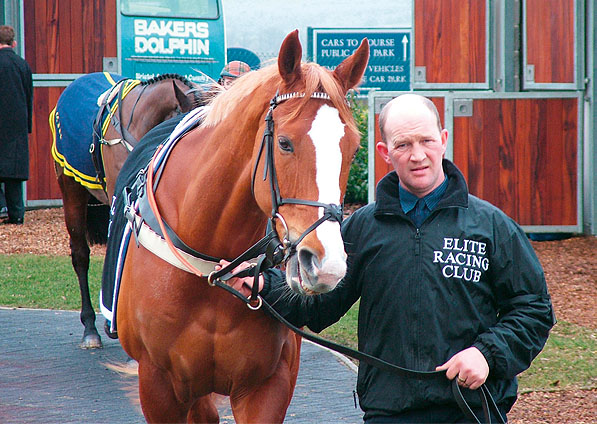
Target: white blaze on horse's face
pixel 326 133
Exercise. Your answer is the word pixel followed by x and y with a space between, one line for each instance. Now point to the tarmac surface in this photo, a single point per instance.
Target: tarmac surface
pixel 46 378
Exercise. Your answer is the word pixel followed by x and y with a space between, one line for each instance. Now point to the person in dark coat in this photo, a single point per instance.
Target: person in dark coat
pixel 446 282
pixel 16 122
pixel 3 208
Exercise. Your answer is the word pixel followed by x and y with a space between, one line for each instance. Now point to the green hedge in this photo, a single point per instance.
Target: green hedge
pixel 356 191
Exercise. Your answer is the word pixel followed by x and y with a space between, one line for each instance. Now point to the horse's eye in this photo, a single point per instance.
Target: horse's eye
pixel 285 144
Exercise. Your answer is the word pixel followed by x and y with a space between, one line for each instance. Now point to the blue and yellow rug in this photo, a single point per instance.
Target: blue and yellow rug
pixel 71 123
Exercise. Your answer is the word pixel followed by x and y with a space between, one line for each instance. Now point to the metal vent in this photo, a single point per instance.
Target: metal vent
pixel 110 64
pixel 463 107
pixel 420 74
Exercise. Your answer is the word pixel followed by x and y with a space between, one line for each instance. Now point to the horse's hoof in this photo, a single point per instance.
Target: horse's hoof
pixel 111 334
pixel 91 341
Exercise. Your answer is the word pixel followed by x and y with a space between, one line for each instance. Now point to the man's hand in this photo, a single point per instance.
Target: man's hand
pixel 243 285
pixel 469 366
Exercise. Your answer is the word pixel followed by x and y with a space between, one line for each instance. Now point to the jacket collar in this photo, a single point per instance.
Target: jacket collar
pixel 388 195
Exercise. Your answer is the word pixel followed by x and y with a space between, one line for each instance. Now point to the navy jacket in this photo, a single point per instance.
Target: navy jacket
pixel 16 118
pixel 467 277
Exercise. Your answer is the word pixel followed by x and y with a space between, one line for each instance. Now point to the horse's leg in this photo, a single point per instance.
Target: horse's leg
pixel 75 198
pixel 204 411
pixel 268 402
pixel 158 399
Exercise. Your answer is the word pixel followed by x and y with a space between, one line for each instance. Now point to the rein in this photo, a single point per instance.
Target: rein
pixel 487 403
pixel 124 131
pixel 277 251
pixel 331 211
pixel 271 252
pixel 99 128
pixel 127 139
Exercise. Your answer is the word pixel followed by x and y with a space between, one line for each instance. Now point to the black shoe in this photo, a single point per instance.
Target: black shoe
pixel 16 221
pixel 3 212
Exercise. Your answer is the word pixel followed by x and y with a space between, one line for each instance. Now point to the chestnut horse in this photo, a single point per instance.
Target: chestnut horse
pixel 192 340
pixel 142 106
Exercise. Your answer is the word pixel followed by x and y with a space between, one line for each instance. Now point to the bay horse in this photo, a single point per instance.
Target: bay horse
pixel 193 341
pixel 132 108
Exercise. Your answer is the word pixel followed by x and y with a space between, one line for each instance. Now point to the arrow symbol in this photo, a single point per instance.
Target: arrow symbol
pixel 404 47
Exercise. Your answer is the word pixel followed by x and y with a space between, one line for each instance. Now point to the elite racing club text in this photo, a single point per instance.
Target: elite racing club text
pixel 462 259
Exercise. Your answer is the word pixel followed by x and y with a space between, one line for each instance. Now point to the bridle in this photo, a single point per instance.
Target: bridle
pixel 126 139
pixel 331 211
pixel 271 252
pixel 275 251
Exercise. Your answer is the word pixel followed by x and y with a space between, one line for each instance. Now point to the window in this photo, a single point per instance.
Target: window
pixel 207 9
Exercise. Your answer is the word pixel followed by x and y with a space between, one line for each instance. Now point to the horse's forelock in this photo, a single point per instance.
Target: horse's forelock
pixel 318 79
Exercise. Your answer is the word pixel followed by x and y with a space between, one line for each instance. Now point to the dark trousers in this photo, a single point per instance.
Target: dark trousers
pixel 432 415
pixel 13 193
pixel 2 198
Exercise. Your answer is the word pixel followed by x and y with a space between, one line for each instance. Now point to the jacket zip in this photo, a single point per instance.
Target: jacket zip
pixel 417 297
pixel 418 242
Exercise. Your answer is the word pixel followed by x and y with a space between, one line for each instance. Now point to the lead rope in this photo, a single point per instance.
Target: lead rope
pixel 269 244
pixel 256 302
pixel 487 402
pixel 156 211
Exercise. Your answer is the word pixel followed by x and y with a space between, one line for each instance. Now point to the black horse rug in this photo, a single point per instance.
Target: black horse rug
pixel 130 185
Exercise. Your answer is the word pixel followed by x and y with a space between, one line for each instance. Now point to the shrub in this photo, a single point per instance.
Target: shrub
pixel 357 189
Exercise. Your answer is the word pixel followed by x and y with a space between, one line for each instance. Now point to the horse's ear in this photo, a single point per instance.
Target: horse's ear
pixel 289 59
pixel 183 101
pixel 351 70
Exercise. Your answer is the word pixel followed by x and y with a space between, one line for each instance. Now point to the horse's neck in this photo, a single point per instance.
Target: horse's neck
pixel 211 171
pixel 148 106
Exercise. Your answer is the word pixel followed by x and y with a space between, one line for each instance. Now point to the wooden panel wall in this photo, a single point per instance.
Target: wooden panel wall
pixel 550 39
pixel 66 37
pixel 381 167
pixel 61 37
pixel 42 177
pixel 521 155
pixel 450 40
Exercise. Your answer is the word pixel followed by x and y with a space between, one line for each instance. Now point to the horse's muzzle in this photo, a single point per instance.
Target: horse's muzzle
pixel 307 274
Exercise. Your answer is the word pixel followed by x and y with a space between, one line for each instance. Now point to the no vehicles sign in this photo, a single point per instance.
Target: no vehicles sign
pixel 389 54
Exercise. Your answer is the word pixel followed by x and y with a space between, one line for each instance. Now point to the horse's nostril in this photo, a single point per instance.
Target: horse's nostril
pixel 309 261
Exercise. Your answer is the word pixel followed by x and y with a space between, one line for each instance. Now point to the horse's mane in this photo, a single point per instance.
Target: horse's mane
pixel 200 96
pixel 168 76
pixel 265 82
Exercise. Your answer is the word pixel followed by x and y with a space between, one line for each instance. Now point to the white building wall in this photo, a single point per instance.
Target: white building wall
pixel 261 25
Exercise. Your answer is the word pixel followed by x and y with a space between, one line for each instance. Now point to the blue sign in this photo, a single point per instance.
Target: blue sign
pixel 191 47
pixel 389 54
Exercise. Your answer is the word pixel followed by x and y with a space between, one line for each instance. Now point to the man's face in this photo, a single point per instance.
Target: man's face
pixel 227 81
pixel 415 147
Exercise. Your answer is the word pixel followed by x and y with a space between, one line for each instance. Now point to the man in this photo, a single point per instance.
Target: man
pixel 3 208
pixel 16 121
pixel 446 281
pixel 231 72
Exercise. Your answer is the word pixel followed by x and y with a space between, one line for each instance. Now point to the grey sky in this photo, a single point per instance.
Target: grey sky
pixel 261 25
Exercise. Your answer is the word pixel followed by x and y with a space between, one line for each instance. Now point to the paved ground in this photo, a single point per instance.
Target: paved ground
pixel 46 378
